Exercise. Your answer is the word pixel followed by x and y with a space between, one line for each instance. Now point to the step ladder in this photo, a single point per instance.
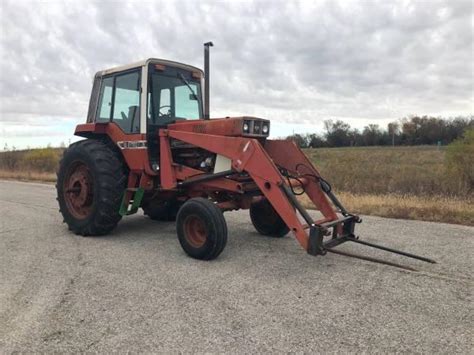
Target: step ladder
pixel 131 201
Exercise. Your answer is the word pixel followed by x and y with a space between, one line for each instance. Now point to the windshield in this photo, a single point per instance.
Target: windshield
pixel 174 95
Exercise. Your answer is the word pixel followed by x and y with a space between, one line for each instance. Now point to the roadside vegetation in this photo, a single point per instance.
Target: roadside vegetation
pixel 414 182
pixel 30 164
pixel 433 183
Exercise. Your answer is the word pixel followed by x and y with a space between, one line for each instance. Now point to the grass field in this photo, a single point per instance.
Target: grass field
pixel 417 171
pixel 396 182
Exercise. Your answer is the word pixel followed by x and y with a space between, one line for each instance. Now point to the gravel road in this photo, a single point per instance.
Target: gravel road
pixel 136 290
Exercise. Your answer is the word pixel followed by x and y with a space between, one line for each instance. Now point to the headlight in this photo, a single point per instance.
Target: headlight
pixel 255 127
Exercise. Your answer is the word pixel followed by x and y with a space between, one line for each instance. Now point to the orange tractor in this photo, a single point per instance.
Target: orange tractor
pixel 150 144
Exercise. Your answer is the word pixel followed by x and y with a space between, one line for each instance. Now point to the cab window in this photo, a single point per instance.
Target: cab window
pixel 174 95
pixel 105 101
pixel 119 101
pixel 185 104
pixel 127 102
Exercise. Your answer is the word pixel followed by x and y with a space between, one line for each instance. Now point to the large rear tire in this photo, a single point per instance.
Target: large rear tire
pixel 91 181
pixel 266 220
pixel 202 230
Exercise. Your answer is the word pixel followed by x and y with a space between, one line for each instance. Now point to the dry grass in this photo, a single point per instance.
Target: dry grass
pixel 27 175
pixel 426 208
pixel 397 182
pixel 419 170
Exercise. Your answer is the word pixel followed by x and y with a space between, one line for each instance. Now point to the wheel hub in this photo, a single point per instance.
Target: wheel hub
pixel 195 231
pixel 78 190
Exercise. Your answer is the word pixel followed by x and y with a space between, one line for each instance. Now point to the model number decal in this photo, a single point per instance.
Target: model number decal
pixel 132 144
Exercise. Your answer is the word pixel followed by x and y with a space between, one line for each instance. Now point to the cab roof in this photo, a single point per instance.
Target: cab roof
pixel 146 62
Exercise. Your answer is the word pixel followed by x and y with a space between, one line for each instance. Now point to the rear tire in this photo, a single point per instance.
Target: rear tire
pixel 202 229
pixel 91 181
pixel 266 220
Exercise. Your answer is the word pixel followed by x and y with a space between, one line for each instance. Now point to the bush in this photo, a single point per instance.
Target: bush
pixel 45 160
pixel 460 161
pixel 10 160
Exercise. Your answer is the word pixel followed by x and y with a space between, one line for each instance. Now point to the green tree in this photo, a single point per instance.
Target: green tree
pixel 338 134
pixel 393 129
pixel 372 135
pixel 300 140
pixel 460 160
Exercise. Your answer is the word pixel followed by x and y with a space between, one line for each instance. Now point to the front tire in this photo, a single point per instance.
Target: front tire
pixel 266 220
pixel 91 181
pixel 202 229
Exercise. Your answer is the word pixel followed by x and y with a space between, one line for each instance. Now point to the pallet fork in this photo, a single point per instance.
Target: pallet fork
pixel 317 245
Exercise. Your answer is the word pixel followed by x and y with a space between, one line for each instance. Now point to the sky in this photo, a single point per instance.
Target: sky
pixel 296 63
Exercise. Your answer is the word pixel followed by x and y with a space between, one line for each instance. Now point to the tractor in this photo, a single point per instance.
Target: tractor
pixel 150 144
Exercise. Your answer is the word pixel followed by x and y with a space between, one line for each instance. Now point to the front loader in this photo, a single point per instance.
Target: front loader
pixel 150 144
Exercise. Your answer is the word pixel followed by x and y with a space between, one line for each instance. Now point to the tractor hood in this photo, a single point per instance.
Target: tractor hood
pixel 230 126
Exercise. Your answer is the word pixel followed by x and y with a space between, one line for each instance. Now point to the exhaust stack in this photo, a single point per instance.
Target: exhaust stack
pixel 206 79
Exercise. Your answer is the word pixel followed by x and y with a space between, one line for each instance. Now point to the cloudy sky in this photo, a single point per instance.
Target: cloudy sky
pixel 294 62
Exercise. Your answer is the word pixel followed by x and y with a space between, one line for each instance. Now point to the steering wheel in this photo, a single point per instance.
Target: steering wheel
pixel 164 114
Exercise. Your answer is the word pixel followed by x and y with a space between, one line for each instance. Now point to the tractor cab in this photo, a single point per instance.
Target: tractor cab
pixel 143 97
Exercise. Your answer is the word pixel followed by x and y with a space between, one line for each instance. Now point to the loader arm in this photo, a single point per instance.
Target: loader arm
pixel 248 155
pixel 286 154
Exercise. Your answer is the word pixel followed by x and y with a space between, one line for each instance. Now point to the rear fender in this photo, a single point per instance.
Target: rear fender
pixel 133 147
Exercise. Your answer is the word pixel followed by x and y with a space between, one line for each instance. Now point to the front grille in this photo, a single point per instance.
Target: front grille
pixel 257 127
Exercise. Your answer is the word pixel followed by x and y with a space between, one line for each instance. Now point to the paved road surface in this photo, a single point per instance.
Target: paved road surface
pixel 136 290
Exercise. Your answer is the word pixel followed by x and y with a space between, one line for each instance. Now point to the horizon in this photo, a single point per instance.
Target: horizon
pixel 301 129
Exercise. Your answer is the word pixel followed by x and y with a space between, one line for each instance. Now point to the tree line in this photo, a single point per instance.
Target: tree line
pixel 414 130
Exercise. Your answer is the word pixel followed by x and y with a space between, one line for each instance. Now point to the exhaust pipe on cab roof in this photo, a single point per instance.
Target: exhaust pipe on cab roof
pixel 206 79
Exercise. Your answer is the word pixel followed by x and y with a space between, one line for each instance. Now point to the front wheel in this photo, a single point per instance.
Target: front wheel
pixel 266 220
pixel 202 230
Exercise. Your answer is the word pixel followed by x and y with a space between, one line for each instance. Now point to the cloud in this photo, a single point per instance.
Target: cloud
pixel 290 61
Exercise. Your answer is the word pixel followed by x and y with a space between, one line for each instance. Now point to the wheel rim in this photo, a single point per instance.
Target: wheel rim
pixel 195 231
pixel 78 190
